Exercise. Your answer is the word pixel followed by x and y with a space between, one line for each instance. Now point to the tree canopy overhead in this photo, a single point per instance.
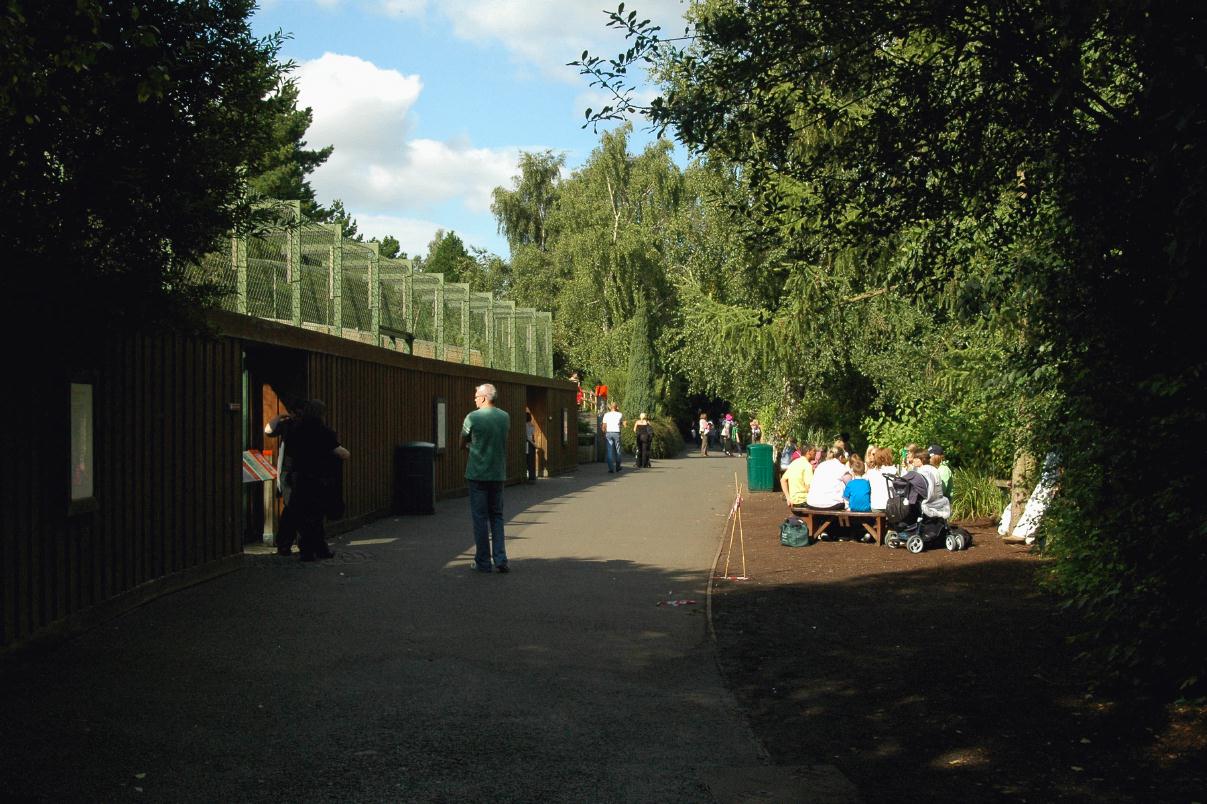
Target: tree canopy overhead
pixel 129 129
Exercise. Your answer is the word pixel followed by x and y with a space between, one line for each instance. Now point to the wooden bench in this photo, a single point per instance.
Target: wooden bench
pixel 873 522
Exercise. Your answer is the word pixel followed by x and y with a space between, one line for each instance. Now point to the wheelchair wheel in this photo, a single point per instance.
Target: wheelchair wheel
pixel 950 542
pixel 961 542
pixel 915 544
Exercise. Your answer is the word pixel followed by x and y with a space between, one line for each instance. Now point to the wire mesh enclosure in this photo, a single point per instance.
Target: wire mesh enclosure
pixel 308 274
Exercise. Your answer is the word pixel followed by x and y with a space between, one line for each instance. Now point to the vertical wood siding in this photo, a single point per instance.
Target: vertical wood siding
pixel 167 447
pixel 166 475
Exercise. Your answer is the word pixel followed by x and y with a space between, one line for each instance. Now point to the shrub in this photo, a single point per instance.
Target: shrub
pixel 974 495
pixel 668 441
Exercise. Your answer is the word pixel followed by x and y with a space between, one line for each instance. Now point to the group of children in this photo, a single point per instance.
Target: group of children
pixel 837 479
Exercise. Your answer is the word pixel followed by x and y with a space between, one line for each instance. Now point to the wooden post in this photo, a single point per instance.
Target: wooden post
pixel 335 278
pixel 375 291
pixel 239 264
pixel 293 260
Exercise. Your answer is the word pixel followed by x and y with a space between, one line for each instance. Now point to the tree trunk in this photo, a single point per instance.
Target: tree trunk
pixel 1022 482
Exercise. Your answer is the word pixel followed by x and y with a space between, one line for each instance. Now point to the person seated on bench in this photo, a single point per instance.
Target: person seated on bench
pixel 926 490
pixel 881 464
pixel 858 492
pixel 797 478
pixel 829 480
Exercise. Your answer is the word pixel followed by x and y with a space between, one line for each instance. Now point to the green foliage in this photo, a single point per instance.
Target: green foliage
pixel 975 495
pixel 337 214
pixel 128 130
pixel 667 443
pixel 285 167
pixel 1017 191
pixel 390 247
pixel 639 390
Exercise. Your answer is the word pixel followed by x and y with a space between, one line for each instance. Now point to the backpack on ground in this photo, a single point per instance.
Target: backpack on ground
pixel 795 533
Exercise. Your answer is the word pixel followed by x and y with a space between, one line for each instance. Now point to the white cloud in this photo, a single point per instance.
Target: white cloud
pixel 358 107
pixel 390 182
pixel 412 234
pixel 404 8
pixel 544 33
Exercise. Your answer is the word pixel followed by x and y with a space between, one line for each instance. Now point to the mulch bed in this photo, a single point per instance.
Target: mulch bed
pixel 939 677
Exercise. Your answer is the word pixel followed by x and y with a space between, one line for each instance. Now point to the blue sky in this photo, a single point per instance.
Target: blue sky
pixel 429 102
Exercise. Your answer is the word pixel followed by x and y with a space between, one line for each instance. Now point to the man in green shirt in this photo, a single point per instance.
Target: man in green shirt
pixel 484 435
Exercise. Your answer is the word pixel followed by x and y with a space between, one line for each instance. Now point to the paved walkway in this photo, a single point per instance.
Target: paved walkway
pixel 395 673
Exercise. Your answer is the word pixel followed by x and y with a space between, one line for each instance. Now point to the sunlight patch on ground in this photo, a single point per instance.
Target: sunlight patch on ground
pixel 366 542
pixel 961 758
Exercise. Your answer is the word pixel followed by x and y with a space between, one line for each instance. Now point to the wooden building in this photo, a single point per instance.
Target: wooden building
pixel 121 470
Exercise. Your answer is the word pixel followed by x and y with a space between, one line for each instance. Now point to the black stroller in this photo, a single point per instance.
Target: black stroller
pixel 908 526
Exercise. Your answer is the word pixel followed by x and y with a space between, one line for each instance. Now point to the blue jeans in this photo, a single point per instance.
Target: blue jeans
pixel 486 510
pixel 613 444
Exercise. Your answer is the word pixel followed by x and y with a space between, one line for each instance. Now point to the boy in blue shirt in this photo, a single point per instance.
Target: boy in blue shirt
pixel 858 493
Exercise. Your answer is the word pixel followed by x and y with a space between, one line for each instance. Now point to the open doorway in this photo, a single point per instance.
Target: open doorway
pixel 543 429
pixel 275 381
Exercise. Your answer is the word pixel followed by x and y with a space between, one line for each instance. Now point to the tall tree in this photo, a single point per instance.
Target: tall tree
pixel 523 211
pixel 639 390
pixel 286 167
pixel 128 129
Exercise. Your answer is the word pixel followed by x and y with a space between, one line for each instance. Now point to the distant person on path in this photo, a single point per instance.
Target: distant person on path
pixel 789 453
pixel 612 424
pixel 643 428
pixel 756 432
pixel 314 454
pixel 728 429
pixel 705 429
pixel 484 435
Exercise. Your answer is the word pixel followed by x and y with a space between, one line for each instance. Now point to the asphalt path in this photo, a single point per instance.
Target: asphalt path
pixel 395 673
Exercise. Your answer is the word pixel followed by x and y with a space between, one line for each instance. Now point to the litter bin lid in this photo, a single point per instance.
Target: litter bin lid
pixel 419 444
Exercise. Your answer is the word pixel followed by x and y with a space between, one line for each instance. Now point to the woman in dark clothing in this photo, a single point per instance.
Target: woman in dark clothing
pixel 314 471
pixel 645 436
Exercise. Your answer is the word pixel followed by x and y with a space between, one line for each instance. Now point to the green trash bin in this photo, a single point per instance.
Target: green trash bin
pixel 760 468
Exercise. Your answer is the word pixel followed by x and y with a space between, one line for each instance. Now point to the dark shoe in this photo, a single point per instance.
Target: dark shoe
pixel 503 568
pixel 328 554
pixel 308 557
pixel 284 551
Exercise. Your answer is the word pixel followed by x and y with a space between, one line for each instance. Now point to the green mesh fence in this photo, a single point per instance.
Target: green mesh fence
pixel 307 274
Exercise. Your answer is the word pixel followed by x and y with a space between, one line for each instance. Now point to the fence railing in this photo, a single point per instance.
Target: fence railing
pixel 309 275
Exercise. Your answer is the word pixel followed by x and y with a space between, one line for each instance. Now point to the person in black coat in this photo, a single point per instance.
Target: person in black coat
pixel 314 455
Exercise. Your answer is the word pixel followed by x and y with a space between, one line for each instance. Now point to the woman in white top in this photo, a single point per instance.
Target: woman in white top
pixel 829 481
pixel 880 464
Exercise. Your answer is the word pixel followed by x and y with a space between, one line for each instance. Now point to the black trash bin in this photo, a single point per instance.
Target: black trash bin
pixel 415 478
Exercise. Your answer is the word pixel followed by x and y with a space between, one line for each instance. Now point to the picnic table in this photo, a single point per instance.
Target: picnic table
pixel 819 520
